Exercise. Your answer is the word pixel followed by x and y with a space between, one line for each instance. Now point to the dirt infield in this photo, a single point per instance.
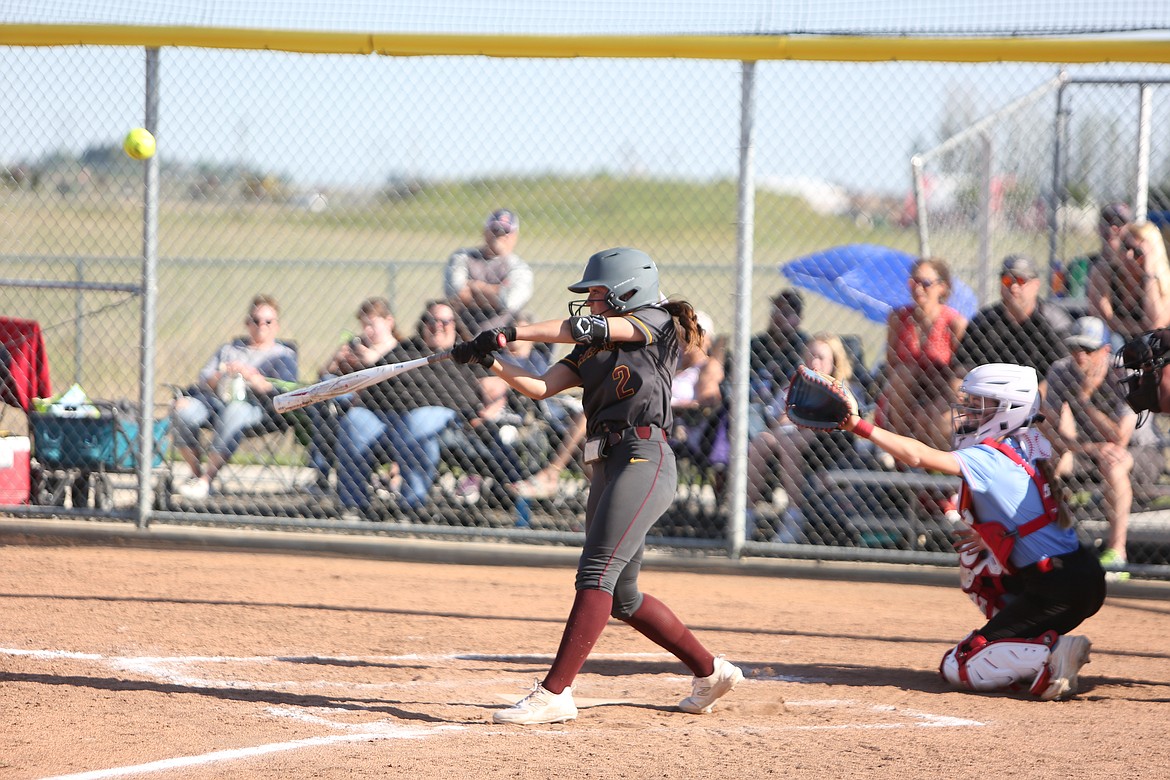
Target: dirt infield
pixel 123 662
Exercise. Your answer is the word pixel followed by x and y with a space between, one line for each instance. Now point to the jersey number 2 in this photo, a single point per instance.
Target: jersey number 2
pixel 624 379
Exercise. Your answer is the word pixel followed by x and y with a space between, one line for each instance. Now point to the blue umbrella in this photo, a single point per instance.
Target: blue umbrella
pixel 868 278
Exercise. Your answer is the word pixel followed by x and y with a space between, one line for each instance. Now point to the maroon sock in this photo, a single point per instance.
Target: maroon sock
pixel 656 622
pixel 590 613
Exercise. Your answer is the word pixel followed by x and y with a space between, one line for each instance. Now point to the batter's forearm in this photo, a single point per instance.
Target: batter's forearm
pixel 523 381
pixel 547 332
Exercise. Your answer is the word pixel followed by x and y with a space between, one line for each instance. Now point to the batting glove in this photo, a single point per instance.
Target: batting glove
pixel 466 352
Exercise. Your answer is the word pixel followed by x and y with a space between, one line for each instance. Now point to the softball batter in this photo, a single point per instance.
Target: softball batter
pixel 627 347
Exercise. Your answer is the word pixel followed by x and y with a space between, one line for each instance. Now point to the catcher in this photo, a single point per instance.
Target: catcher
pixel 1020 560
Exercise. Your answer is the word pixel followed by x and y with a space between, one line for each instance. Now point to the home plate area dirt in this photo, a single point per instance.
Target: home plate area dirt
pixel 123 662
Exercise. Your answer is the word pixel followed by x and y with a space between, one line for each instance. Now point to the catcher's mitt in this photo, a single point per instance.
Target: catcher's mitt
pixel 818 401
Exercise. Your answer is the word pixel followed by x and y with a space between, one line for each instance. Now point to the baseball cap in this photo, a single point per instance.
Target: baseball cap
pixel 1021 266
pixel 1088 333
pixel 501 222
pixel 1117 214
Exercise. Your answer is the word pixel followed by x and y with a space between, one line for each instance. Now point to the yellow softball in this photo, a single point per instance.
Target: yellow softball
pixel 139 144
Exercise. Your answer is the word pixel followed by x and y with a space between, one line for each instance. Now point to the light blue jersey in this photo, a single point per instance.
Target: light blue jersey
pixel 1002 492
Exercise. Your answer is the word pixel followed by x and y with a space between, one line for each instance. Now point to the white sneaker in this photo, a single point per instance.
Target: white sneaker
pixel 540 706
pixel 790 529
pixel 706 690
pixel 1064 662
pixel 195 489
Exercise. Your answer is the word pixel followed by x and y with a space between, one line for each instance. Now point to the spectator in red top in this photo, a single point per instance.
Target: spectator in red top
pixel 920 351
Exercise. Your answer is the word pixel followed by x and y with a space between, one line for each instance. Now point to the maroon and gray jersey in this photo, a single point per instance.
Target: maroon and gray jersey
pixel 627 383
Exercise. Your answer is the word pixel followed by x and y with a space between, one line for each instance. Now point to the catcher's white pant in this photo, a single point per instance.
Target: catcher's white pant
pixel 1006 664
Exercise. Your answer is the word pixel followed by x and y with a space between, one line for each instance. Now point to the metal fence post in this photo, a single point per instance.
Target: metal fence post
pixel 737 476
pixel 149 299
pixel 1141 196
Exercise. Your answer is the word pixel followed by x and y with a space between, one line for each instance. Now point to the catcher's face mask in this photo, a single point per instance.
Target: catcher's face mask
pixel 970 413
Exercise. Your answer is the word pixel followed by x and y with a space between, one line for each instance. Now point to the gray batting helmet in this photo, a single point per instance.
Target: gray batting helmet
pixel 629 274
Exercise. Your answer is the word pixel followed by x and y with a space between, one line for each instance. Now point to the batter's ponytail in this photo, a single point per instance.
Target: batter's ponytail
pixel 690 333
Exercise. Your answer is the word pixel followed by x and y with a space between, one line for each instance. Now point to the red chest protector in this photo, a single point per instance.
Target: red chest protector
pixel 982 579
pixel 998 537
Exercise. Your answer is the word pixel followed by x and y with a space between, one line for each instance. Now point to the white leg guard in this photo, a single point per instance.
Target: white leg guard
pixel 1006 664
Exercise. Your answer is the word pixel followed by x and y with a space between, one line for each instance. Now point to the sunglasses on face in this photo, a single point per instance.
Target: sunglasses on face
pixel 1137 250
pixel 925 284
pixel 437 322
pixel 1009 279
pixel 258 321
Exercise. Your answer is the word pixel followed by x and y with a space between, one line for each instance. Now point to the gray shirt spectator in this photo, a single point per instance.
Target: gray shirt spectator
pixel 1097 429
pixel 487 285
pixel 1064 387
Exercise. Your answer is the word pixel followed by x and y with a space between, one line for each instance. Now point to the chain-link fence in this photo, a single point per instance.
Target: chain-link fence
pixel 328 183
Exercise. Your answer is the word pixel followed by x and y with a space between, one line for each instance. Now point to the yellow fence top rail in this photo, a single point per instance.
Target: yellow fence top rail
pixel 1147 49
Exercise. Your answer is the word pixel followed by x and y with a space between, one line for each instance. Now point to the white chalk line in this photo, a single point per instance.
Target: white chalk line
pixel 165 669
pixel 925 719
pixel 385 731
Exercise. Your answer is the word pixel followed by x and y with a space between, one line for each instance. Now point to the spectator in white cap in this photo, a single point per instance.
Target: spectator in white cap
pixel 1086 405
pixel 487 285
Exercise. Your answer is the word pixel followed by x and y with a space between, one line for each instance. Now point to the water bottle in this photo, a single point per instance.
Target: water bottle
pixel 523 513
pixel 224 388
pixel 239 388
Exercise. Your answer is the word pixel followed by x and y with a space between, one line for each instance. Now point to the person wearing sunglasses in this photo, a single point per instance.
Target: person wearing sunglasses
pixel 230 394
pixel 405 420
pixel 920 349
pixel 1099 436
pixel 1132 293
pixel 1020 329
pixel 489 284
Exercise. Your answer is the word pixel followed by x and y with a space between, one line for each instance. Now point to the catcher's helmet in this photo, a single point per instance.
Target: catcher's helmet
pixel 629 274
pixel 995 399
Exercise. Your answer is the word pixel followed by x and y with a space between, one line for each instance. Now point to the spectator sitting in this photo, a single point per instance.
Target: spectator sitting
pixel 489 284
pixel 774 355
pixel 231 393
pixel 1018 330
pixel 1132 293
pixel 799 452
pixel 377 337
pixel 492 439
pixel 1098 270
pixel 543 484
pixel 403 419
pixel 1087 405
pixel 920 349
pixel 695 394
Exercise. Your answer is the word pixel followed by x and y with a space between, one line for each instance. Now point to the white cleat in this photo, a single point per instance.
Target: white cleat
pixel 705 691
pixel 540 706
pixel 1065 661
